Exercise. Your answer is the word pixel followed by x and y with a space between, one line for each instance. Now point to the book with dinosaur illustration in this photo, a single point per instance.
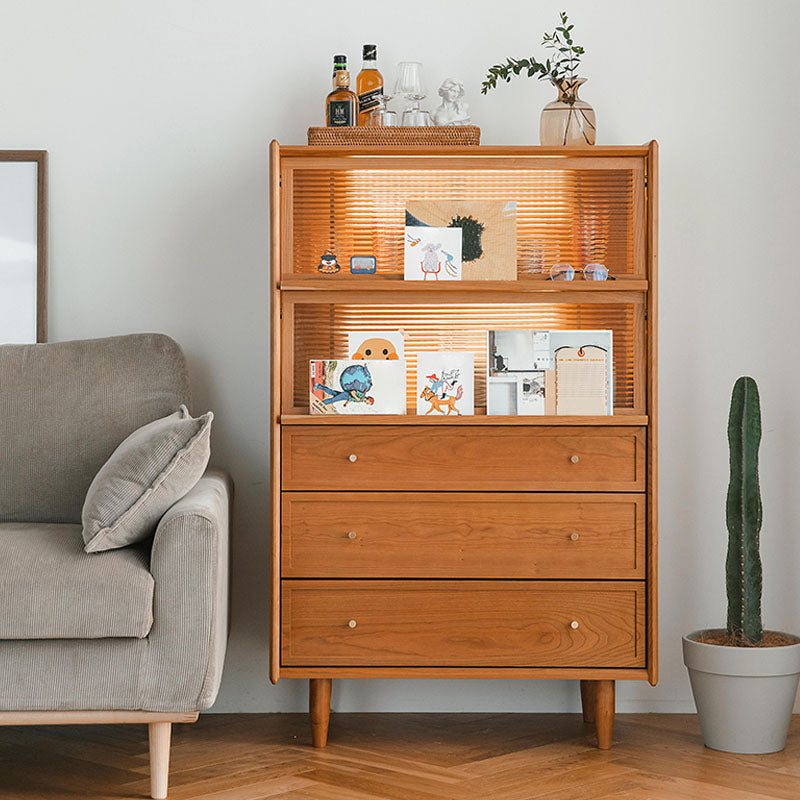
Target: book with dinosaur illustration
pixel 446 383
pixel 347 386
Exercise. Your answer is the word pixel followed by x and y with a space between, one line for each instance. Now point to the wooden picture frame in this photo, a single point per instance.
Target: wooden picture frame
pixel 34 236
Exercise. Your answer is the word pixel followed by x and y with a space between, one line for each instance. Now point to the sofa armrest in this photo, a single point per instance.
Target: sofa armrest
pixel 189 563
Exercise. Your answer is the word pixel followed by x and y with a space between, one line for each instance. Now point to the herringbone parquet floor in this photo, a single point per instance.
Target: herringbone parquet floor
pixel 396 757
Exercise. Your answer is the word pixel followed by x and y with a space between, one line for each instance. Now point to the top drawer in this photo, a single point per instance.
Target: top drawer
pixel 424 458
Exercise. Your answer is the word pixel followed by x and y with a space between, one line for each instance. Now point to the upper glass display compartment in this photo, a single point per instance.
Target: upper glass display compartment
pixel 577 215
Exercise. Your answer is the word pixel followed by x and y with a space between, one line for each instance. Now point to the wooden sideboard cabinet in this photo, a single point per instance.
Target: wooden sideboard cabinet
pixel 471 546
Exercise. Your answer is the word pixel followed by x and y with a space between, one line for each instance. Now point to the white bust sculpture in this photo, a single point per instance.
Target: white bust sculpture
pixel 452 110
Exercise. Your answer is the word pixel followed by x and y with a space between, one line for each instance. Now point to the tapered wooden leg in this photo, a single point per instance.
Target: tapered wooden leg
pixel 160 734
pixel 588 701
pixel 319 708
pixel 604 714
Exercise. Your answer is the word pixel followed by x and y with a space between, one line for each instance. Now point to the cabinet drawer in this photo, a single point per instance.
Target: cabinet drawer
pixel 462 623
pixel 489 458
pixel 462 535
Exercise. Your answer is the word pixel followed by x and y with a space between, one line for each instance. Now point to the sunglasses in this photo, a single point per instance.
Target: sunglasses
pixel 591 272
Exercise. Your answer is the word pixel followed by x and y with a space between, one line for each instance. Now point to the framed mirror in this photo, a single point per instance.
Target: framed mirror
pixel 23 246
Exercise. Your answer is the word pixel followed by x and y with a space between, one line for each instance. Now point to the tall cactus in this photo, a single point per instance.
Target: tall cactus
pixel 743 509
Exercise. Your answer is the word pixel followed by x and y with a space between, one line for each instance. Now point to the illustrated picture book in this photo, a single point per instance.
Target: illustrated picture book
pixel 489 233
pixel 446 383
pixel 347 386
pixel 376 345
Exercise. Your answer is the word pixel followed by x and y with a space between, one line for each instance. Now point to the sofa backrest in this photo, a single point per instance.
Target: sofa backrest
pixel 64 408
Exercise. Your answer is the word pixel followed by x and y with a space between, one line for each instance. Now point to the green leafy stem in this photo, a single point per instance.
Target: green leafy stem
pixel 561 67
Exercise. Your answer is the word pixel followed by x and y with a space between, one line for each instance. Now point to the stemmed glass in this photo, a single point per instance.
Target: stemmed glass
pixel 380 116
pixel 409 83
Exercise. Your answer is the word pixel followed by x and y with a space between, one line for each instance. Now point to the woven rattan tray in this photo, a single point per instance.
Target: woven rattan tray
pixel 455 135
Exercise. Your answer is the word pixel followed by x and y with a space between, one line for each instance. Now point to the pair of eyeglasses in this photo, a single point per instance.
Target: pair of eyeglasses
pixel 591 272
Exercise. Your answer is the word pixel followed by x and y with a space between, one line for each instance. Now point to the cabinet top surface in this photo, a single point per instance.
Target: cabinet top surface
pixel 595 151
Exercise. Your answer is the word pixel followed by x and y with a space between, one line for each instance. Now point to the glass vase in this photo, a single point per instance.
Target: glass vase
pixel 567 120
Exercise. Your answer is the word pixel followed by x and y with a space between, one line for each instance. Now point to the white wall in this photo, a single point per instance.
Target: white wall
pixel 157 115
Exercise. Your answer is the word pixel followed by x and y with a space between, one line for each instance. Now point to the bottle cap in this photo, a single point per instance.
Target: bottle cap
pixel 339 62
pixel 370 52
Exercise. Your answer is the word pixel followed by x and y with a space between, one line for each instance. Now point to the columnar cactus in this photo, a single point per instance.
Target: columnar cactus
pixel 743 509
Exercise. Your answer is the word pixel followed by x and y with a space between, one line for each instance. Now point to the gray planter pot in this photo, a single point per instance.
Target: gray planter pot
pixel 744 695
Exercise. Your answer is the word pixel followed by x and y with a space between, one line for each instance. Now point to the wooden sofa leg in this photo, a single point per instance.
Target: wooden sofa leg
pixel 588 701
pixel 604 715
pixel 319 708
pixel 160 735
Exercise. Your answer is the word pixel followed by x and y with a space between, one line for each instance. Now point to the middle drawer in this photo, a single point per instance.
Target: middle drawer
pixel 462 535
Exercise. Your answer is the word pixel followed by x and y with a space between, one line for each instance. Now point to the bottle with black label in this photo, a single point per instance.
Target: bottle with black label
pixel 369 83
pixel 341 107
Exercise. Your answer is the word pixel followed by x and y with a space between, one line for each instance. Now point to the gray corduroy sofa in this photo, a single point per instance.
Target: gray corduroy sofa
pixel 136 634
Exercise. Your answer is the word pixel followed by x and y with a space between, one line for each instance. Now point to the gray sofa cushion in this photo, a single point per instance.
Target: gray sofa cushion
pixel 51 589
pixel 155 466
pixel 64 408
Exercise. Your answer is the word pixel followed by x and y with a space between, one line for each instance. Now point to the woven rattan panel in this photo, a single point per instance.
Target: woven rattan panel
pixel 320 331
pixel 577 216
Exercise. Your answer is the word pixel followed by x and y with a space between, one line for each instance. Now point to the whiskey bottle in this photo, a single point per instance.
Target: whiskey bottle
pixel 341 106
pixel 369 83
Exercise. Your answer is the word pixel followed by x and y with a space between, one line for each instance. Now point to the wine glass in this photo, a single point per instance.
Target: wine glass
pixel 380 116
pixel 409 83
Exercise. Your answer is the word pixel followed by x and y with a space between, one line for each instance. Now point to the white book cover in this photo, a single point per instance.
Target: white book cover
pixel 376 345
pixel 432 254
pixel 531 393
pixel 446 383
pixel 346 386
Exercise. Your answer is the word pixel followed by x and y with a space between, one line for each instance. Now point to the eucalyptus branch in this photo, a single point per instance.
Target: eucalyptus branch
pixel 562 67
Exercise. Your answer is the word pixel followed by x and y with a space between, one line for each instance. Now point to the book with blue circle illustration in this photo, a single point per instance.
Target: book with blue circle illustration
pixel 347 386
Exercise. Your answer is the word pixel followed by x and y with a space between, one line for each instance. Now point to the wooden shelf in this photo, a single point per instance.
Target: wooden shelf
pixel 637 420
pixel 395 283
pixel 557 153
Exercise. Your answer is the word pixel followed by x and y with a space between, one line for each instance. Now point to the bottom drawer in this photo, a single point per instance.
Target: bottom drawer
pixel 463 623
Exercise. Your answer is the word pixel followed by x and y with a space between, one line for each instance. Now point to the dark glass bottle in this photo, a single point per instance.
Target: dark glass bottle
pixel 341 106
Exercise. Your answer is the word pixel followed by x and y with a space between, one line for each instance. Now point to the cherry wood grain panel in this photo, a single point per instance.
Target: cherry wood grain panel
pixel 491 673
pixel 652 407
pixel 273 410
pixel 423 458
pixel 621 416
pixel 462 535
pixel 460 623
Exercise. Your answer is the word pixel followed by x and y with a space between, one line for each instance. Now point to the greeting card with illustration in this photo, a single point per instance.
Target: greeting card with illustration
pixel 446 383
pixel 432 254
pixel 376 345
pixel 357 387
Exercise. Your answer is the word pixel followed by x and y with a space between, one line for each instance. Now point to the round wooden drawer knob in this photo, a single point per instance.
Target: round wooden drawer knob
pixel 574 459
pixel 574 624
pixel 352 458
pixel 574 537
pixel 351 535
pixel 352 623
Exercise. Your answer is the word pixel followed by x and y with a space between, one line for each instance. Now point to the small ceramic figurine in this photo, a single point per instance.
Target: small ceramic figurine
pixel 328 265
pixel 453 110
